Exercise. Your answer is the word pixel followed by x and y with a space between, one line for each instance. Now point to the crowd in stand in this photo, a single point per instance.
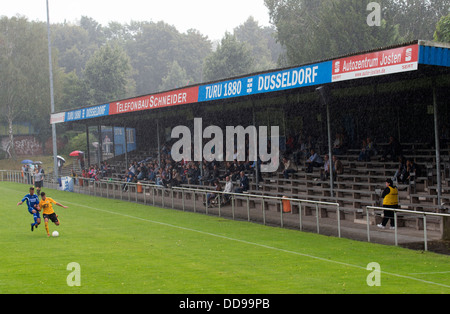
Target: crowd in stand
pixel 300 154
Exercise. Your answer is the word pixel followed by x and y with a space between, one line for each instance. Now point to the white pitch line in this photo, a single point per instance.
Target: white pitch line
pixel 258 244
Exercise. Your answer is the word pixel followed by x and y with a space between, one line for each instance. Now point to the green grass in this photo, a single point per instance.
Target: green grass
pixel 129 248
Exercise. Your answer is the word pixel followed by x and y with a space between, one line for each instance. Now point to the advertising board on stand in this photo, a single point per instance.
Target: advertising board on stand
pixel 377 63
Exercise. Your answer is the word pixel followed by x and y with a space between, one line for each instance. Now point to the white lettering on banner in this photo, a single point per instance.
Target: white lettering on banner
pixel 152 102
pixel 391 59
pixel 96 111
pixel 288 79
pixel 227 89
pixel 360 64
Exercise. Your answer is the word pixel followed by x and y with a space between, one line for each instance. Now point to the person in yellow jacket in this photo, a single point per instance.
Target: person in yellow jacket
pixel 390 200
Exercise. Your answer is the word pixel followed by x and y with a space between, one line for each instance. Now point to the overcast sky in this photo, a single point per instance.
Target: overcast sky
pixel 211 17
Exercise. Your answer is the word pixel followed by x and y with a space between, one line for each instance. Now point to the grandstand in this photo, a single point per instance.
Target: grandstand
pixel 408 100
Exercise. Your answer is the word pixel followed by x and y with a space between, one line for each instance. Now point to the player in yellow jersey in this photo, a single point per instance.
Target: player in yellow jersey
pixel 47 210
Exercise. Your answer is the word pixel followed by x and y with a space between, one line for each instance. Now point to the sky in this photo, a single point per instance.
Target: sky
pixel 211 17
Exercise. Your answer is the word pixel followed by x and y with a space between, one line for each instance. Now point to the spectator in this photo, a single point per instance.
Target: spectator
pixel 390 200
pixel 400 174
pixel 393 149
pixel 325 173
pixel 338 145
pixel 338 167
pixel 313 161
pixel 411 171
pixel 176 178
pixel 243 184
pixel 368 150
pixel 210 196
pixel 228 189
pixel 289 167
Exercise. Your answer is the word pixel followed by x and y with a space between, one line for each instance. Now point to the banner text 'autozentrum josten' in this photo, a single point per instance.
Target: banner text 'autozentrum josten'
pixel 377 63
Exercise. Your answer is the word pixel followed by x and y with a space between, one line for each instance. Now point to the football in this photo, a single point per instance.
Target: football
pixel 55 234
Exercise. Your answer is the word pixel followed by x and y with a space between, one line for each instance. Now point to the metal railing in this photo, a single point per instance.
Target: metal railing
pixel 114 188
pixel 396 211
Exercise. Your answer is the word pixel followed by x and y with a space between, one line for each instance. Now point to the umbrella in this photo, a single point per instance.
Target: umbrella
pixel 27 161
pixel 76 153
pixel 59 157
pixel 37 162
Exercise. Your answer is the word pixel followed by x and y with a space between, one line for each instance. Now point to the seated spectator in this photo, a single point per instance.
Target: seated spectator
pixel 393 149
pixel 411 171
pixel 244 184
pixel 325 173
pixel 338 167
pixel 313 161
pixel 210 196
pixel 129 179
pixel 228 189
pixel 176 178
pixel 338 145
pixel 400 173
pixel 289 167
pixel 368 150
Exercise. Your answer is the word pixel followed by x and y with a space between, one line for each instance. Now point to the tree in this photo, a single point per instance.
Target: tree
pixel 232 58
pixel 107 75
pixel 24 87
pixel 152 52
pixel 442 33
pixel 316 30
pixel 416 18
pixel 176 78
pixel 260 41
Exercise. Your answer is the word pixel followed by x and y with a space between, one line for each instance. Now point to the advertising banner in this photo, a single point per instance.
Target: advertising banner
pixel 377 63
pixel 168 99
pixel 309 75
pixel 87 113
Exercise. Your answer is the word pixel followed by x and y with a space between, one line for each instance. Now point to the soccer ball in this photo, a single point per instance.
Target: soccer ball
pixel 55 234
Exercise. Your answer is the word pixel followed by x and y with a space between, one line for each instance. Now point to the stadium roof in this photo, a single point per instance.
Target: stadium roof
pixel 404 58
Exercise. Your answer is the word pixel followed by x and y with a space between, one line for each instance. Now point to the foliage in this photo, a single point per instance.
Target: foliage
pixel 232 58
pixel 442 33
pixel 313 30
pixel 107 75
pixel 24 87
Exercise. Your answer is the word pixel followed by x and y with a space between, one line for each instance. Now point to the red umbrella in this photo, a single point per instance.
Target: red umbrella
pixel 76 153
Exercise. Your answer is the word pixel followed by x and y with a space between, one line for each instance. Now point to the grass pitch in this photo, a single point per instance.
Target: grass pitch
pixel 129 248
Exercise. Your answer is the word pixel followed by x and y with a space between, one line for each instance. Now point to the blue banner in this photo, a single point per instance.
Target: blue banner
pixel 87 113
pixel 310 75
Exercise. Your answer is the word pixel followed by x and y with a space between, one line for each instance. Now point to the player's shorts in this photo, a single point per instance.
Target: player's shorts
pixel 37 214
pixel 51 217
pixel 39 184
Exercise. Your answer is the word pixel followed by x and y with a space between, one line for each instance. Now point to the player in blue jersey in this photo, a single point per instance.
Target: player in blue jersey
pixel 33 207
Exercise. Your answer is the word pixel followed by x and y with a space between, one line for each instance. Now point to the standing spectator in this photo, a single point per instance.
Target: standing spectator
pixel 390 200
pixel 39 179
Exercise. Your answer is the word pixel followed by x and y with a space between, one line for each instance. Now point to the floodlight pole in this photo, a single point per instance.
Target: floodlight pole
pixel 52 98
